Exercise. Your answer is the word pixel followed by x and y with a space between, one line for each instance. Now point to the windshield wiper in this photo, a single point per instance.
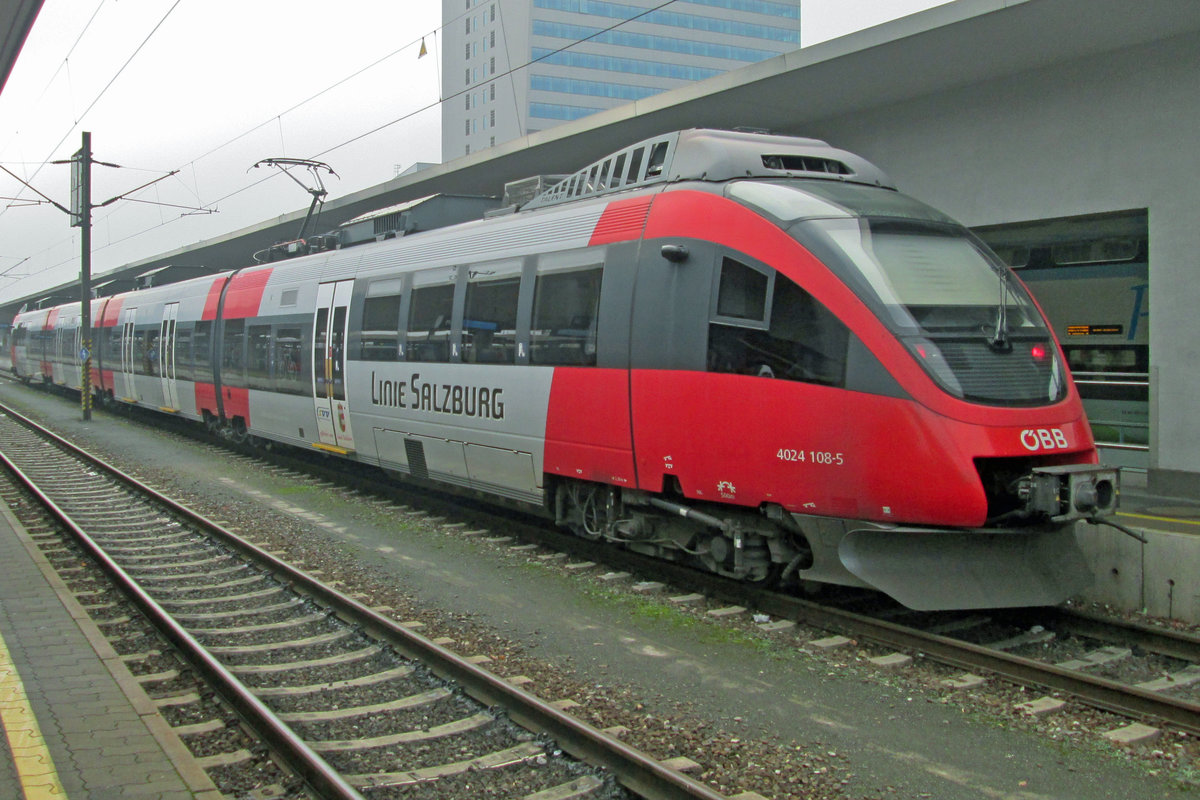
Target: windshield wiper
pixel 999 340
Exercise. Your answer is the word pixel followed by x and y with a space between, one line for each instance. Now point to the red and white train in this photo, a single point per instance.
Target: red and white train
pixel 745 351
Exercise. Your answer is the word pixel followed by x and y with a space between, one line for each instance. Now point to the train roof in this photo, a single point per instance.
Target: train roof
pixel 702 154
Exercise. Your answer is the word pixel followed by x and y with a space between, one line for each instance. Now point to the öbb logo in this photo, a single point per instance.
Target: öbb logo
pixel 1044 439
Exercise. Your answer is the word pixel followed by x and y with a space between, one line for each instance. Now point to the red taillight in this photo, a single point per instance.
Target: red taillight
pixel 1038 351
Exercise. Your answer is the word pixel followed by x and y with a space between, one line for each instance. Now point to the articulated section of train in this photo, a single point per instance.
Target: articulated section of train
pixel 744 351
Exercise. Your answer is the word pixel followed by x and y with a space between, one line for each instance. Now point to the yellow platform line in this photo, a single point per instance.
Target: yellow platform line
pixel 35 768
pixel 1158 519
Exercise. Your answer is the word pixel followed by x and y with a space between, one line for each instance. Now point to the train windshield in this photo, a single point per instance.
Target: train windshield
pixel 964 317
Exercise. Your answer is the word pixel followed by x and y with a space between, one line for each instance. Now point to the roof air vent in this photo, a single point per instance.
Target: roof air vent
pixel 798 163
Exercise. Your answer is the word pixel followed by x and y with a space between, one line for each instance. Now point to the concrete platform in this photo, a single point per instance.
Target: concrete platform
pixel 1157 577
pixel 76 723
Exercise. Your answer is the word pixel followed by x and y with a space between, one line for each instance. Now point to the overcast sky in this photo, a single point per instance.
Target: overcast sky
pixel 210 87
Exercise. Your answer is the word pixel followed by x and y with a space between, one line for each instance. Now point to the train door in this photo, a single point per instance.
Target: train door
pixel 76 361
pixel 329 364
pixel 166 356
pixel 57 364
pixel 123 379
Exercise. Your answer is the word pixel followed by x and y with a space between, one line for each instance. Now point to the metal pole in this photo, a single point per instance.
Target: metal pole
pixel 85 278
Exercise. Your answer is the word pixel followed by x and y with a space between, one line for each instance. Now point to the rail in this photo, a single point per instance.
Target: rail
pixel 632 768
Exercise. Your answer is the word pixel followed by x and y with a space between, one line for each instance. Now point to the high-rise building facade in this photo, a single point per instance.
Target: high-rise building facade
pixel 512 67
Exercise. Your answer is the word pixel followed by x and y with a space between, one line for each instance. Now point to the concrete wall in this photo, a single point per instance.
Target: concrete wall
pixel 1157 578
pixel 1114 131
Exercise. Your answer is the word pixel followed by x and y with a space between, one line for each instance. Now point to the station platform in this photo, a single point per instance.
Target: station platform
pixel 76 723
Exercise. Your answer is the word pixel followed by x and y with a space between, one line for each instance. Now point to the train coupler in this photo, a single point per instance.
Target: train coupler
pixel 1070 492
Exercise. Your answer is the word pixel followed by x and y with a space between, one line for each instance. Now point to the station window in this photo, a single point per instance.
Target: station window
pixel 430 313
pixel 566 305
pixel 381 322
pixel 765 325
pixel 489 327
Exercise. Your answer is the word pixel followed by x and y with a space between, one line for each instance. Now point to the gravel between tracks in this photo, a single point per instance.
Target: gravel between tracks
pixel 732 761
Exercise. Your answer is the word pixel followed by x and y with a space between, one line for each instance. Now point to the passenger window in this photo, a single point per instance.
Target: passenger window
pixel 183 352
pixel 489 327
pixel 337 354
pixel 233 354
pixel 258 365
pixel 381 322
pixel 430 314
pixel 289 361
pixel 112 345
pixel 320 344
pixel 804 341
pixel 566 305
pixel 201 352
pixel 145 352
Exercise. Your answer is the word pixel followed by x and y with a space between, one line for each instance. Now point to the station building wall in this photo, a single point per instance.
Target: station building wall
pixel 1115 131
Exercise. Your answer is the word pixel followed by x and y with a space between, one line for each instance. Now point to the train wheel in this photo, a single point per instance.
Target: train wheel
pixel 237 431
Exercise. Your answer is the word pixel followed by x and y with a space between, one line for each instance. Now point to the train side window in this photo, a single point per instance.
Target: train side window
pixel 289 361
pixel 112 346
pixel 381 322
pixel 143 361
pixel 489 327
pixel 804 341
pixel 565 310
pixel 258 357
pixel 183 352
pixel 201 352
pixel 430 314
pixel 233 353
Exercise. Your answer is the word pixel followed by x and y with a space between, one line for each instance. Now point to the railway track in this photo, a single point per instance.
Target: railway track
pixel 352 702
pixel 1136 671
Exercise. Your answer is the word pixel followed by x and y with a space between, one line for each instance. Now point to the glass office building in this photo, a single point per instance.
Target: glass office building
pixel 513 67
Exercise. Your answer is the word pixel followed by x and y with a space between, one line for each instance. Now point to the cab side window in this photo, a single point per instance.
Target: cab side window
pixel 765 325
